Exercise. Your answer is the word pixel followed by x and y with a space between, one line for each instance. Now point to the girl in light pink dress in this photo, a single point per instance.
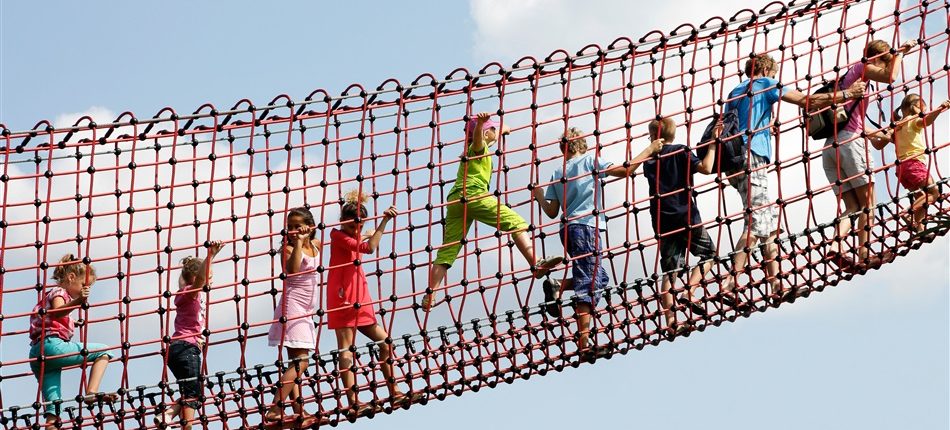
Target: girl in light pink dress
pixel 293 326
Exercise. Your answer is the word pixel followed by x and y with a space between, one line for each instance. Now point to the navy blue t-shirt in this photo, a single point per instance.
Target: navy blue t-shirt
pixel 672 174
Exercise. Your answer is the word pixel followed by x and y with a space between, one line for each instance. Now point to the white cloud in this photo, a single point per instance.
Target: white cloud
pixel 98 114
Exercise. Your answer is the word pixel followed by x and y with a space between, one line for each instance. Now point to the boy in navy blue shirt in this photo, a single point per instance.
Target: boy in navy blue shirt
pixel 675 216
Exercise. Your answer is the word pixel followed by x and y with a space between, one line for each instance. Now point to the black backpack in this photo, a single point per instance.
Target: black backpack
pixel 824 124
pixel 730 153
pixel 732 150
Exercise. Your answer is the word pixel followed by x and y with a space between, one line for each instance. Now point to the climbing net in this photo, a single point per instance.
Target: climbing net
pixel 135 196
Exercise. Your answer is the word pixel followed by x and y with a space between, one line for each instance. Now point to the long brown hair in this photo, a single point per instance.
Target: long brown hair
pixel 307 216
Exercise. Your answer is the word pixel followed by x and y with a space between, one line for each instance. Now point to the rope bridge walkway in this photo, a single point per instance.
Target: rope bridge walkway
pixel 135 196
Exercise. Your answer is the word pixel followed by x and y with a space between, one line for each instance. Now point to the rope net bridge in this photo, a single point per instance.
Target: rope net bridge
pixel 135 196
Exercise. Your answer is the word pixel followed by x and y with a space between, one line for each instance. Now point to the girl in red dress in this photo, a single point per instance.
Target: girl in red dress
pixel 349 304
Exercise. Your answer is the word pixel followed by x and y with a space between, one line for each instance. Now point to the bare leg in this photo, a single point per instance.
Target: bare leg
pixel 377 334
pixel 696 277
pixel 187 416
pixel 666 301
pixel 436 277
pixel 770 253
pixel 523 242
pixel 344 340
pixel 583 316
pixel 288 385
pixel 865 200
pixel 96 373
pixel 739 260
pixel 929 197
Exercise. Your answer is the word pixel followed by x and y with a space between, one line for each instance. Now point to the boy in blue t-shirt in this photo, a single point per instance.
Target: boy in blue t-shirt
pixel 676 218
pixel 575 187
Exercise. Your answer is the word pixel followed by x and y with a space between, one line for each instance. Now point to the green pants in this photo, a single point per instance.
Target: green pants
pixel 459 217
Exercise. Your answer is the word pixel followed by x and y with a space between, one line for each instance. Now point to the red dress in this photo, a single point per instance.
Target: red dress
pixel 346 284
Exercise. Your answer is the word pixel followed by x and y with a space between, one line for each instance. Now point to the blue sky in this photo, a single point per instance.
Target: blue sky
pixel 869 354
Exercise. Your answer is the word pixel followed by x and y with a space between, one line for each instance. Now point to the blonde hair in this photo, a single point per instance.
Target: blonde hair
pixel 759 65
pixel 908 102
pixel 354 205
pixel 663 128
pixel 879 50
pixel 573 141
pixel 70 264
pixel 190 267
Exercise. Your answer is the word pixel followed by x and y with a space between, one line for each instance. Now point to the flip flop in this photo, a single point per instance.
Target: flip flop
pixel 696 307
pixel 543 267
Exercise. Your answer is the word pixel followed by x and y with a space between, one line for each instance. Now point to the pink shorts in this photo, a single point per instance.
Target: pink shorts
pixel 912 174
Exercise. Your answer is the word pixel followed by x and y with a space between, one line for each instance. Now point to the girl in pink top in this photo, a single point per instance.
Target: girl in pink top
pixel 845 159
pixel 293 326
pixel 184 353
pixel 349 304
pixel 51 333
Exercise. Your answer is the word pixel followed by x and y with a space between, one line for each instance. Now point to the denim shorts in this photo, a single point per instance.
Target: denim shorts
pixel 184 360
pixel 582 243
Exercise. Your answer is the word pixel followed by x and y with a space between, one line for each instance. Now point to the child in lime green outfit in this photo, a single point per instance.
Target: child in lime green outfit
pixel 470 201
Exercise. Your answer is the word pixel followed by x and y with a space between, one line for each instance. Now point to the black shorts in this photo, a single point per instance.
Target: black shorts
pixel 673 248
pixel 184 360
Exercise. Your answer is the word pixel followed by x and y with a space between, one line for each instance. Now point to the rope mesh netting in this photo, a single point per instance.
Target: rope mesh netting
pixel 134 197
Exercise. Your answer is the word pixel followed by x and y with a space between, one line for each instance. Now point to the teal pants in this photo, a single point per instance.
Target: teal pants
pixel 53 367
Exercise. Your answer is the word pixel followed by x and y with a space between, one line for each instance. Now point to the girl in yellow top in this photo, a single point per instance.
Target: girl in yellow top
pixel 908 138
pixel 470 201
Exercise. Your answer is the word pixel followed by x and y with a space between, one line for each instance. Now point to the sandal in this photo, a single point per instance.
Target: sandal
pixel 359 410
pixel 289 421
pixel 677 329
pixel 428 301
pixel 727 298
pixel 402 399
pixel 550 306
pixel 696 307
pixel 843 262
pixel 91 399
pixel 591 354
pixel 543 267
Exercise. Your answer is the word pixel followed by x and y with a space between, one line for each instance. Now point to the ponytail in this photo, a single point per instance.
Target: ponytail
pixel 354 206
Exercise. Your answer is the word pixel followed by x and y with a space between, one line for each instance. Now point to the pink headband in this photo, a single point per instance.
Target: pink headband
pixel 470 125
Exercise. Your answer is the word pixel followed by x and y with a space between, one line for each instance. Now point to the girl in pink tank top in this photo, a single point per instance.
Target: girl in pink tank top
pixel 293 326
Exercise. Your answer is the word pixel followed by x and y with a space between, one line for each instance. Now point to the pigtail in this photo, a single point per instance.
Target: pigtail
pixel 190 266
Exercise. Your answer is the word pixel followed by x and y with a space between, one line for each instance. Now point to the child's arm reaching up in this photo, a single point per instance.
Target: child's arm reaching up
pixel 373 240
pixel 201 278
pixel 630 166
pixel 932 116
pixel 478 136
